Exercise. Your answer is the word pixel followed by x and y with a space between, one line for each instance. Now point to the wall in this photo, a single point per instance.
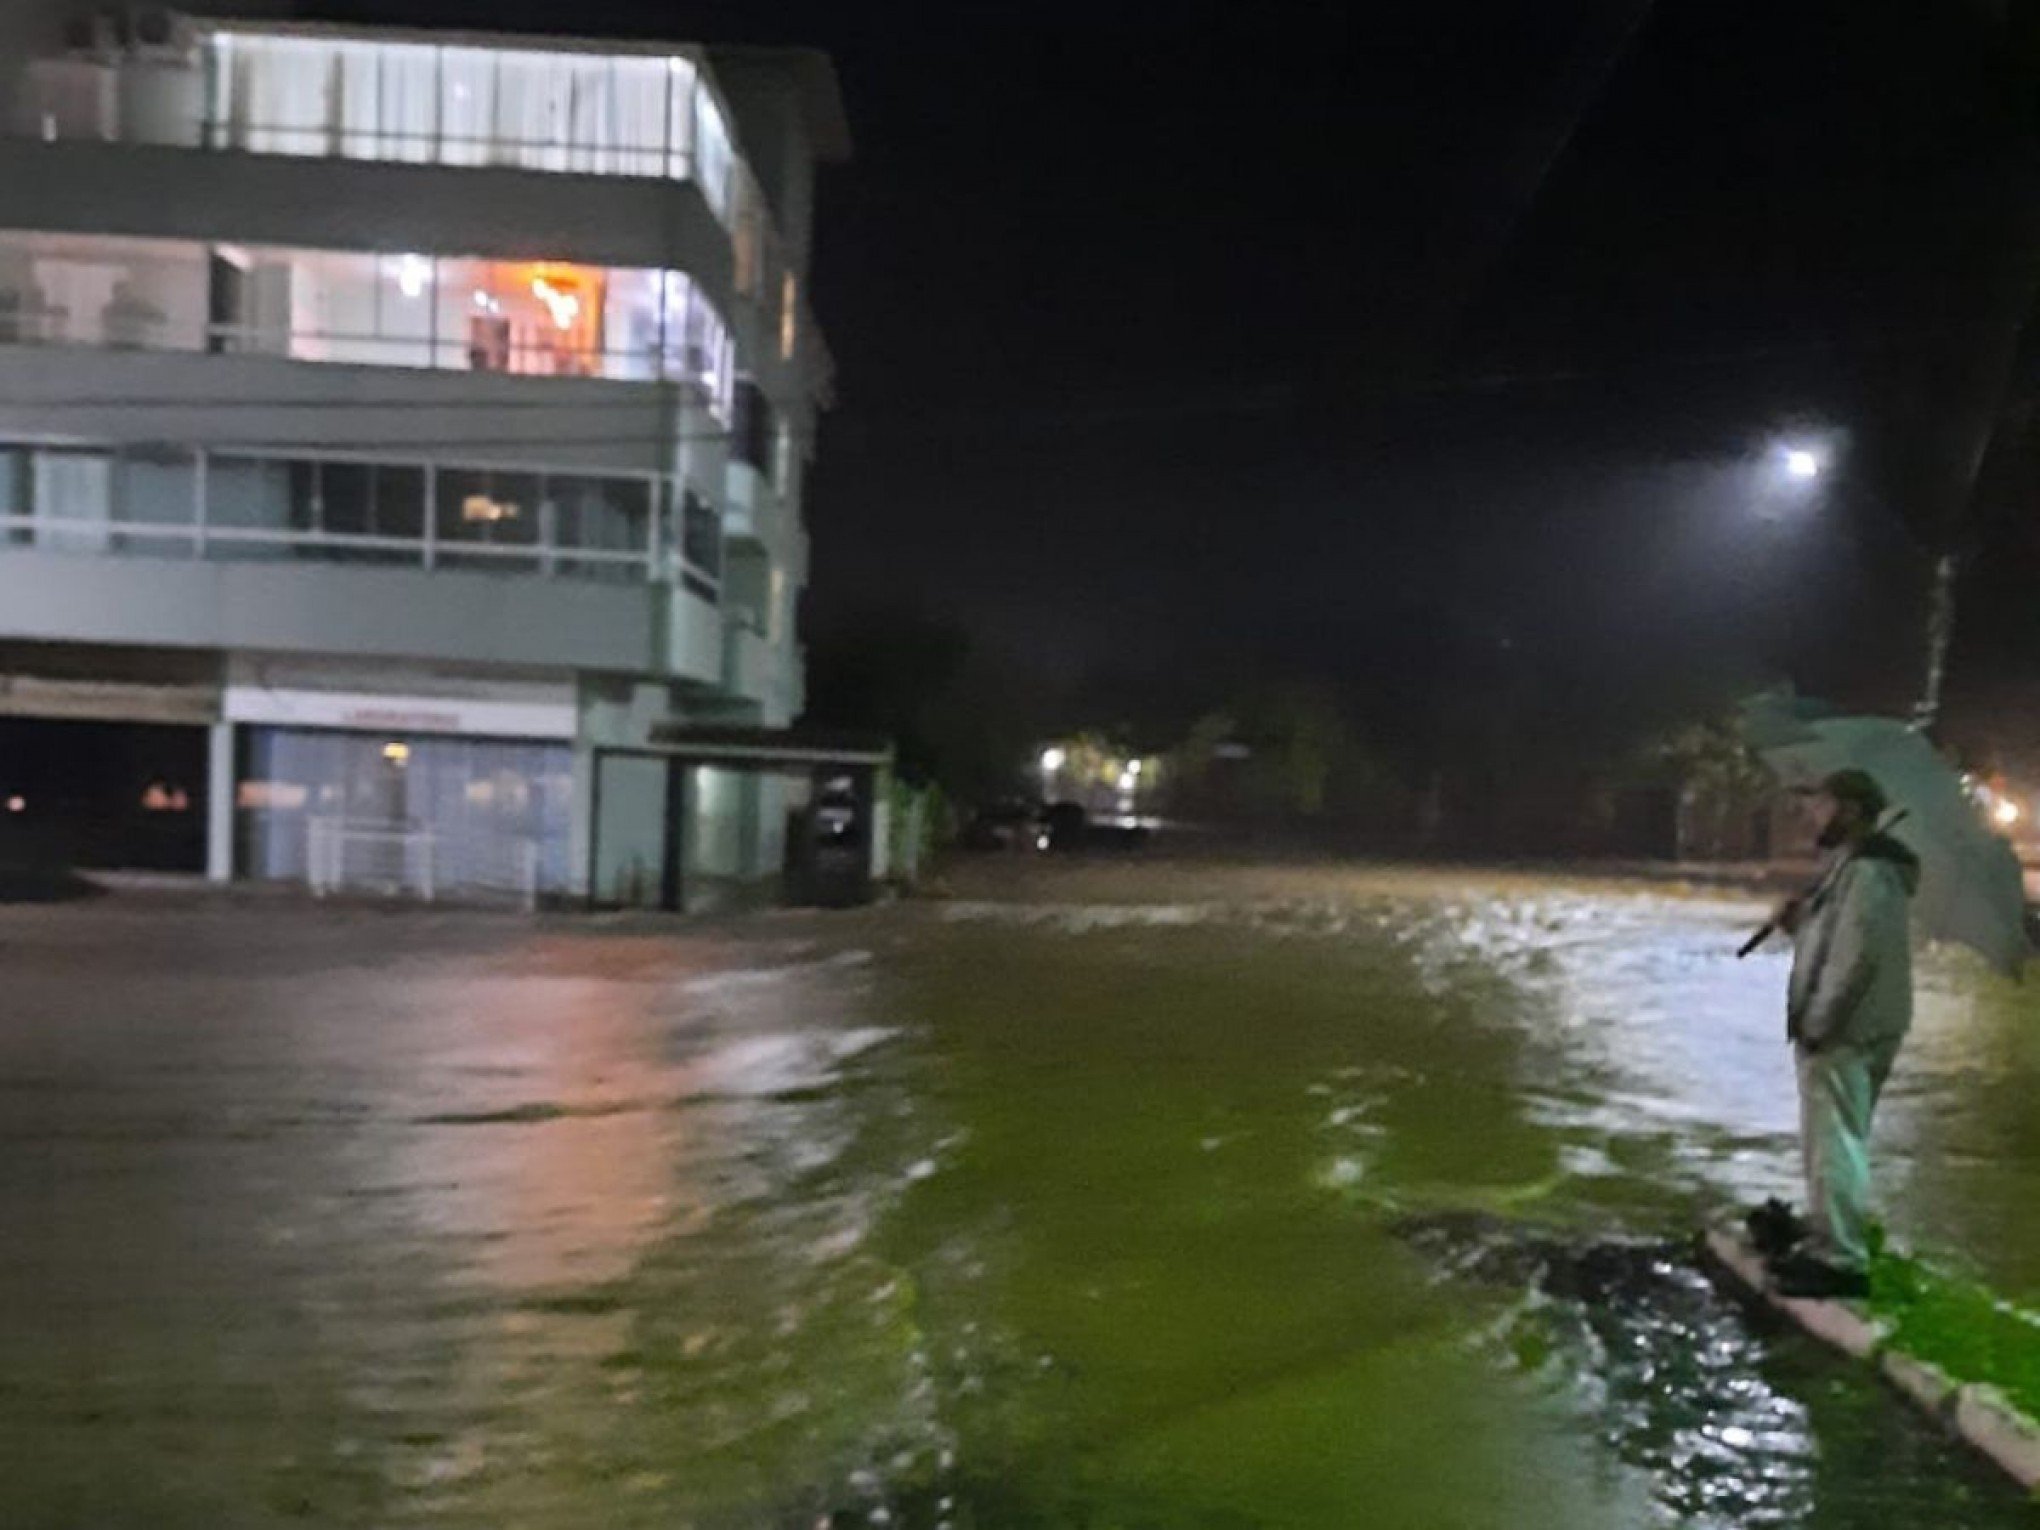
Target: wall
pixel 290 607
pixel 630 830
pixel 391 413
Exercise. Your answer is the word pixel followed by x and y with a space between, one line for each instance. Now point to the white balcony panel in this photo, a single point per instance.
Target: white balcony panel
pixel 522 622
pixel 752 512
pixel 750 665
pixel 85 394
pixel 341 204
pixel 694 637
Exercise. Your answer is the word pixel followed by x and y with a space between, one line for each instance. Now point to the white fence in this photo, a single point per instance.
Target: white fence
pixel 406 860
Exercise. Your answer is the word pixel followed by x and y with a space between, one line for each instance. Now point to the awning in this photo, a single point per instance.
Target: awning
pixel 761 747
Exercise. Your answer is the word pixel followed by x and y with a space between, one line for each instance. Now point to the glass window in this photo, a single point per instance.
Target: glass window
pixel 753 427
pixel 228 311
pixel 607 517
pixel 467 104
pixel 682 79
pixel 14 486
pixel 349 306
pixel 637 115
pixel 276 95
pixel 90 289
pixel 71 492
pixel 630 326
pixel 249 503
pixel 541 318
pixel 488 519
pixel 368 501
pixel 399 502
pixel 478 816
pixel 155 500
pixel 700 534
pixel 713 157
pixel 634 121
pixel 532 114
pixel 346 498
pixel 407 102
pixel 158 486
pixel 698 346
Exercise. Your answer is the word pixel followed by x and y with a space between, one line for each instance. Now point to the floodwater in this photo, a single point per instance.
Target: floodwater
pixel 1117 1197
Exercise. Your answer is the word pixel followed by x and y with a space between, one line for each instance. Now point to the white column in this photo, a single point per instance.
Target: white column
pixel 219 803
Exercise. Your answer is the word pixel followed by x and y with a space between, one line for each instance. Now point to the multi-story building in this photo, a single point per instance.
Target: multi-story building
pixel 425 417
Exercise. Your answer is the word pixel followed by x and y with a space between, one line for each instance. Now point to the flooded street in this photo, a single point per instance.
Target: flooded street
pixel 1112 1196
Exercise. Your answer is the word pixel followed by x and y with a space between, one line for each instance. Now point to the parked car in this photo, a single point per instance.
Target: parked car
pixel 1009 824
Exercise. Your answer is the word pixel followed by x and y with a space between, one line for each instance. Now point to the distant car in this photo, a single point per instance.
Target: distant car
pixel 1009 824
pixel 1064 826
pixel 1067 826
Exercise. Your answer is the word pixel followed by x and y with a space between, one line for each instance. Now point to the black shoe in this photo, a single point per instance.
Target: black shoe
pixel 1802 1275
pixel 1775 1228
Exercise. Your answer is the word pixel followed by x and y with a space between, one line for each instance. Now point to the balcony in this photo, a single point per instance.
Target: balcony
pixel 286 607
pixel 167 504
pixel 521 318
pixel 395 97
pixel 565 112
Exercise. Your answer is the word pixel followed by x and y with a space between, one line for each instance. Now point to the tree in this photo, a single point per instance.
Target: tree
pixel 1718 779
pixel 957 713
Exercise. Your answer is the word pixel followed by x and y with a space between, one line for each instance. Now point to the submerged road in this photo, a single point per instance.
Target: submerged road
pixel 1127 1195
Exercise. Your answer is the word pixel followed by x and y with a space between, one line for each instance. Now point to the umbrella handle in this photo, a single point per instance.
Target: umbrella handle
pixel 1770 928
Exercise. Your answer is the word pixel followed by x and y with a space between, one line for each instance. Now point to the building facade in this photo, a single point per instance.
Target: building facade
pixel 425 417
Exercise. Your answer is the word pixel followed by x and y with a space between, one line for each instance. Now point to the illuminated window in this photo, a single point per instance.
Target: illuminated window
pixel 699 349
pixel 541 318
pixel 374 99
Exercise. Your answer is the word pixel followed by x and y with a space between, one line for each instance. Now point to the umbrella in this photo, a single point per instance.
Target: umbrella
pixel 1971 887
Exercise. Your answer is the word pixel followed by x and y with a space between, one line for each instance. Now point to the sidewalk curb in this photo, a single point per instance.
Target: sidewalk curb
pixel 1977 1414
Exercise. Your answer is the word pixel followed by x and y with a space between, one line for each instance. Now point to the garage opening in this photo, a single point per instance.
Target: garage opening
pixel 102 795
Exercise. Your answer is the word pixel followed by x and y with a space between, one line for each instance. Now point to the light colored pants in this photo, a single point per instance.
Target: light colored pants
pixel 1838 1090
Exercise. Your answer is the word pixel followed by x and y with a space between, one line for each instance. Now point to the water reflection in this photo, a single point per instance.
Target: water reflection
pixel 1063 1216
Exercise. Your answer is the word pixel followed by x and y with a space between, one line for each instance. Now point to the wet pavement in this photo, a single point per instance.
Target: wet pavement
pixel 1111 1196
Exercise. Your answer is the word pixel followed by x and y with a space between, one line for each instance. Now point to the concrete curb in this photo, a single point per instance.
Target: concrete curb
pixel 1978 1414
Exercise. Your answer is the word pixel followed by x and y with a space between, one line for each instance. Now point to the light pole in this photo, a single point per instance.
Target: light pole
pixel 1804 462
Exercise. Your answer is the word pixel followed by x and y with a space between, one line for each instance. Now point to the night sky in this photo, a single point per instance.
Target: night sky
pixel 1415 349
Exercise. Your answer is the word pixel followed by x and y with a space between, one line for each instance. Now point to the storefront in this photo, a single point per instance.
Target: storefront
pixel 423 797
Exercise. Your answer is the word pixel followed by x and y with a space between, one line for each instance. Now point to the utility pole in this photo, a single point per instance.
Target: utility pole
pixel 1998 370
pixel 1940 635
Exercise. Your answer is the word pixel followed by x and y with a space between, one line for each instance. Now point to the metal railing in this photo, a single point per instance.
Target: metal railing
pixel 467 151
pixel 211 540
pixel 408 860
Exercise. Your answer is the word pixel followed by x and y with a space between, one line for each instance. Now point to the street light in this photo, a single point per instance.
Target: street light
pixel 1802 462
pixel 1053 760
